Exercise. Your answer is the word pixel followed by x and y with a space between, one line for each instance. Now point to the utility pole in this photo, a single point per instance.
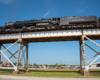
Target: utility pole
pixel 61 61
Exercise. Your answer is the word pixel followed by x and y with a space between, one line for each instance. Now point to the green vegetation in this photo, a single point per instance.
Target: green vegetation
pixel 68 73
pixel 55 70
pixel 55 65
pixel 1 62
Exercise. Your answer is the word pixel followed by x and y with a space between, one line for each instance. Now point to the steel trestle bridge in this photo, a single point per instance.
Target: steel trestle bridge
pixel 23 38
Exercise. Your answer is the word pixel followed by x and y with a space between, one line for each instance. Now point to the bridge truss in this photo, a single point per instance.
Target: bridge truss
pixel 46 36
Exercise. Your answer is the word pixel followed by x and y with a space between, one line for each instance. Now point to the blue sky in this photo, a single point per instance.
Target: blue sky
pixel 49 52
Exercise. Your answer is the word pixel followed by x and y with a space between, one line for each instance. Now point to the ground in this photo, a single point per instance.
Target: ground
pixel 71 73
pixel 6 77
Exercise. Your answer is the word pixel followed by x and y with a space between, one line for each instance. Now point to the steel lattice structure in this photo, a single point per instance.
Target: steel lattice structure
pixel 46 36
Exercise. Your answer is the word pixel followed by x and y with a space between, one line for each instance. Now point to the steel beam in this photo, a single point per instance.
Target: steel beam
pixel 17 64
pixel 94 67
pixel 7 58
pixel 98 53
pixel 27 57
pixel 92 41
pixel 11 46
pixel 91 48
pixel 84 53
pixel 23 56
pixel 23 53
pixel 94 60
pixel 48 34
pixel 0 52
pixel 80 55
pixel 93 57
pixel 23 42
pixel 13 55
pixel 6 67
pixel 6 50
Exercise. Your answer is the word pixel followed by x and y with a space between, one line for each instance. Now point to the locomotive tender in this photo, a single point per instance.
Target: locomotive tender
pixel 75 21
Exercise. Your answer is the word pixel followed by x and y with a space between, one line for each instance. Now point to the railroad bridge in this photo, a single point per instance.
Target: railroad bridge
pixel 27 36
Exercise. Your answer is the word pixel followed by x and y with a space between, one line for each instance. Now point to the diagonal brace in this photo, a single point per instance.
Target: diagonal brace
pixel 91 48
pixel 23 55
pixel 98 53
pixel 94 60
pixel 13 54
pixel 92 41
pixel 17 64
pixel 9 47
pixel 9 51
pixel 7 58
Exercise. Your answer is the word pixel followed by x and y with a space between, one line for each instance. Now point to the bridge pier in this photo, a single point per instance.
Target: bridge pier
pixel 0 55
pixel 80 43
pixel 83 56
pixel 18 60
pixel 16 69
pixel 85 72
pixel 26 68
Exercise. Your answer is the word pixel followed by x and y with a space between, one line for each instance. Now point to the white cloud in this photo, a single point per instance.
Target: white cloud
pixel 8 1
pixel 68 60
pixel 45 14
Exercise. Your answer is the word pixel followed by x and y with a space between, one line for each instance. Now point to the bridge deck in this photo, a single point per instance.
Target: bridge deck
pixel 47 36
pixel 46 28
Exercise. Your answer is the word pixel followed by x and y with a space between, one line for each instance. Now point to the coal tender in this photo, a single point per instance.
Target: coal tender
pixel 78 20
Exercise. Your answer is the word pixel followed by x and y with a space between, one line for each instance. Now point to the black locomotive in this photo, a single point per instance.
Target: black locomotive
pixel 42 22
pixel 54 21
pixel 68 22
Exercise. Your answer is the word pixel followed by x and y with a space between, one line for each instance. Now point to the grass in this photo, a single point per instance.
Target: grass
pixel 67 73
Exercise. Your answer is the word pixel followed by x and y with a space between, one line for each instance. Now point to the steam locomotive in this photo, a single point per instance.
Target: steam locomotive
pixel 64 21
pixel 54 21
